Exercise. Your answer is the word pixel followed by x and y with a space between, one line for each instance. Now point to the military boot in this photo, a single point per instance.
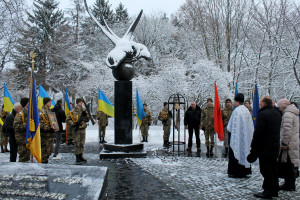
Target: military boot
pixel 207 152
pixel 146 139
pixel 211 151
pixel 78 159
pixel 6 149
pixel 101 140
pixel 166 145
pixel 81 158
pixel 2 150
pixel 143 140
pixel 189 151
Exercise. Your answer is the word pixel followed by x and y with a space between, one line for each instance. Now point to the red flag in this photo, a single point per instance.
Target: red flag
pixel 218 123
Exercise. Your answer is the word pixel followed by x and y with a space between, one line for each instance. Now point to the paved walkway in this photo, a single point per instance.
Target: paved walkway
pixel 163 175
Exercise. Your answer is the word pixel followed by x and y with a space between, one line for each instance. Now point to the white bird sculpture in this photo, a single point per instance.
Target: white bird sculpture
pixel 125 50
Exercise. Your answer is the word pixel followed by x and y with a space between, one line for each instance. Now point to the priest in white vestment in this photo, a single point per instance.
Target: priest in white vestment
pixel 240 128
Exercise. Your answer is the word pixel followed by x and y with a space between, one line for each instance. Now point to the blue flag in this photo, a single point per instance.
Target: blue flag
pixel 255 105
pixel 235 92
pixel 33 140
pixel 140 113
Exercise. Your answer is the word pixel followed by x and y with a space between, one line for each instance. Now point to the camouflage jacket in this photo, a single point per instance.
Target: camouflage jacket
pixel 147 120
pixel 207 118
pixel 75 115
pixel 45 123
pixel 226 113
pixel 19 125
pixel 165 116
pixel 102 118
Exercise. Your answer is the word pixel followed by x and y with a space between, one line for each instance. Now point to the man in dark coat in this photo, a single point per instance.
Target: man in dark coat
pixel 10 130
pixel 192 119
pixel 61 118
pixel 265 145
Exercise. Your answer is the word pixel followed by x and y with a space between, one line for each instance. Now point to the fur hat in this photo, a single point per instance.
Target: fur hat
pixel 46 100
pixel 239 97
pixel 59 101
pixel 283 103
pixel 78 100
pixel 24 101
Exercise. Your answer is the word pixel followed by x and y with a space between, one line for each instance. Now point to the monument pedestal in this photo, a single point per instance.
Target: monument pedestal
pixel 123 147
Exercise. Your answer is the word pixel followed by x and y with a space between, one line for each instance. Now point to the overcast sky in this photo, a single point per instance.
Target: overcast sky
pixel 134 6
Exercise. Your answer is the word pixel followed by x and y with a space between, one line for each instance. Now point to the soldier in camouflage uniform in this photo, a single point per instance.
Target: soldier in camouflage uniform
pixel 3 138
pixel 166 117
pixel 247 105
pixel 78 119
pixel 20 131
pixel 226 113
pixel 47 133
pixel 102 123
pixel 146 122
pixel 207 124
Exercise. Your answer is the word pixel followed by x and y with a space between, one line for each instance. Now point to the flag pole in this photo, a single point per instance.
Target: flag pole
pixel 216 146
pixel 32 55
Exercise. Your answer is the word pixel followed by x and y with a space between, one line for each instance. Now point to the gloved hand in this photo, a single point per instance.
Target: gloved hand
pixel 251 158
pixel 164 121
pixel 84 113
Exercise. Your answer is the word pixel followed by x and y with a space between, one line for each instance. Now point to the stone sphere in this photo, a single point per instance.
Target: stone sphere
pixel 124 72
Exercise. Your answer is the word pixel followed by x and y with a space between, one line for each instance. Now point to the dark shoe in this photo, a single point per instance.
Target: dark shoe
pixel 2 150
pixel 263 195
pixel 198 152
pixel 275 194
pixel 211 153
pixel 146 139
pixel 78 159
pixel 207 152
pixel 286 187
pixel 81 158
pixel 143 140
pixel 54 155
pixel 225 153
pixel 104 141
pixel 166 145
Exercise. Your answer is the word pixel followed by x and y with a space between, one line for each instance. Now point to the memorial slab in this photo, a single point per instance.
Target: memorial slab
pixel 52 181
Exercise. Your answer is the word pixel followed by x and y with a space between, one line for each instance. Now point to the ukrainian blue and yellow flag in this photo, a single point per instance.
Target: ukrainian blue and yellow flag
pixel 255 105
pixel 8 100
pixel 42 95
pixel 140 113
pixel 67 104
pixel 33 140
pixel 104 105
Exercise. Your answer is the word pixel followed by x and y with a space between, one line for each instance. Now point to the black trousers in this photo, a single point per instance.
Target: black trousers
pixel 13 148
pixel 269 170
pixel 191 130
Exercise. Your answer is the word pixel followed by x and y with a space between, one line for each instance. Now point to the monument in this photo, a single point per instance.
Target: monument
pixel 120 59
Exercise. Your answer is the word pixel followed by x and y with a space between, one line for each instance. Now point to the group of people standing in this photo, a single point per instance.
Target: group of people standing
pixel 276 132
pixel 15 129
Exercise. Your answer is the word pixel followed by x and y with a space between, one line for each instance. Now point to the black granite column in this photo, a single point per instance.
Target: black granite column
pixel 123 112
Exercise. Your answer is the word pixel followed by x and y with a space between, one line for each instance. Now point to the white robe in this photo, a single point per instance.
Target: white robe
pixel 241 127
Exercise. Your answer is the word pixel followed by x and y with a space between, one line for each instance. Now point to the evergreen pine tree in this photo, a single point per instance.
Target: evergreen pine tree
pixel 102 8
pixel 121 15
pixel 47 35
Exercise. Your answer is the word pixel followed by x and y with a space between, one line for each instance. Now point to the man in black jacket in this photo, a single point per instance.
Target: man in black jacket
pixel 10 130
pixel 192 119
pixel 61 118
pixel 265 145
